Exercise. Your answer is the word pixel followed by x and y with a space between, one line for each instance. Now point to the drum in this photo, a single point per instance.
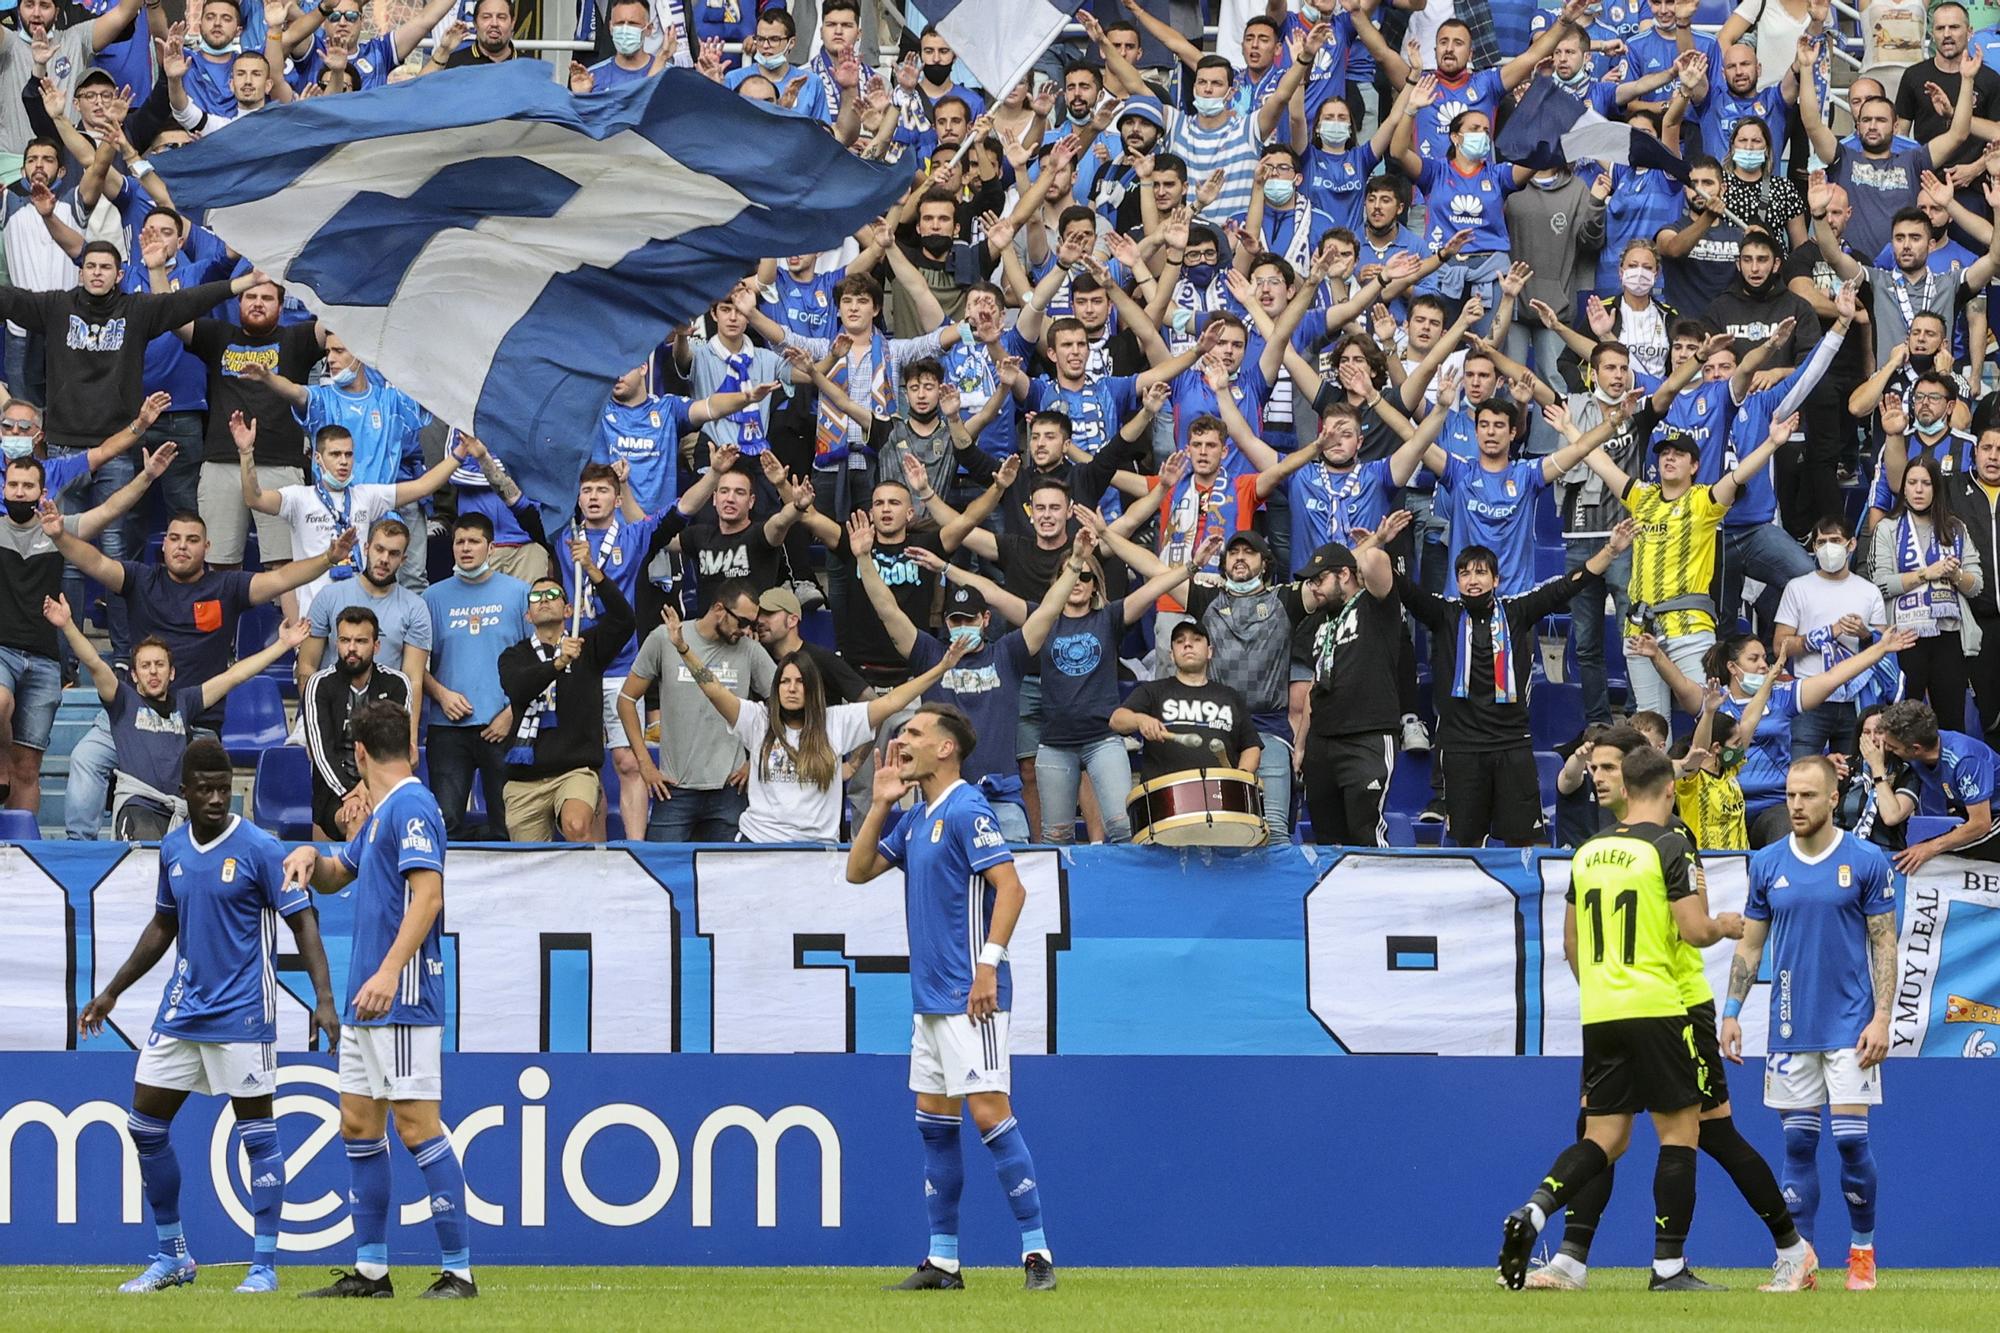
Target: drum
pixel 1202 807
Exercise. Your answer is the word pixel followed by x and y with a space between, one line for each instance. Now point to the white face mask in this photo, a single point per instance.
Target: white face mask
pixel 1637 281
pixel 1832 556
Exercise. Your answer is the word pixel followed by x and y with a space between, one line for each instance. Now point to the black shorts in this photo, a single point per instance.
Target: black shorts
pixel 1640 1064
pixel 326 805
pixel 1708 1050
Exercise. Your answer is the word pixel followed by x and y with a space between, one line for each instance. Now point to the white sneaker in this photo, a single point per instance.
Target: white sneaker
pixel 1550 1278
pixel 1794 1274
pixel 1416 739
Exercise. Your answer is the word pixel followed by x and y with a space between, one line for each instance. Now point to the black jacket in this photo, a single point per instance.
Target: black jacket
pixel 1476 723
pixel 574 737
pixel 324 708
pixel 1982 526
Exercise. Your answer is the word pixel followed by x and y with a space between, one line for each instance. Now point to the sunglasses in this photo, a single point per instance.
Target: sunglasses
pixel 340 15
pixel 545 595
pixel 1087 576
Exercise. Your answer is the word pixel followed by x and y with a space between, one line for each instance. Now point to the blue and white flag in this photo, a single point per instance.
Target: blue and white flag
pixel 502 250
pixel 1552 128
pixel 999 40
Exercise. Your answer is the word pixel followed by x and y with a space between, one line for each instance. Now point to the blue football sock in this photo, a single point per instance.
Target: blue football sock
pixel 1016 1170
pixel 944 1182
pixel 161 1172
pixel 368 1167
pixel 444 1179
pixel 1857 1175
pixel 267 1185
pixel 1801 1179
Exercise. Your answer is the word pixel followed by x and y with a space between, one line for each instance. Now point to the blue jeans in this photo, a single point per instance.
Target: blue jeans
pixel 697 816
pixel 1274 772
pixel 33 684
pixel 1059 771
pixel 1767 553
pixel 27 367
pixel 1586 615
pixel 1832 728
pixel 90 767
pixel 88 494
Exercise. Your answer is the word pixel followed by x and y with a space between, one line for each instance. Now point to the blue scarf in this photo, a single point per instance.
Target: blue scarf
pixel 1503 655
pixel 750 419
pixel 343 519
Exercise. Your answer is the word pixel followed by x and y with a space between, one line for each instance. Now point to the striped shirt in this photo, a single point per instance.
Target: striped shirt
pixel 1233 148
pixel 1674 555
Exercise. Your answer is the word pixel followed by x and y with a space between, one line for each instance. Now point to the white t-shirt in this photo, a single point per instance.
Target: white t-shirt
pixel 782 808
pixel 1775 37
pixel 1423 30
pixel 1813 601
pixel 1892 33
pixel 35 263
pixel 314 526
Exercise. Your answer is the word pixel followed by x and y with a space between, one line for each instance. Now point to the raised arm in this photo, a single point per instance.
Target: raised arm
pixel 1817 689
pixel 716 693
pixel 120 502
pixel 290 635
pixel 885 706
pixel 1725 491
pixel 1141 600
pixel 55 610
pixel 1035 631
pixel 244 433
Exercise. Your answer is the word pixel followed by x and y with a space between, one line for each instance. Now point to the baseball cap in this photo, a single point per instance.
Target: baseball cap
pixel 1253 539
pixel 1329 557
pixel 1678 440
pixel 780 599
pixel 96 74
pixel 964 601
pixel 1188 626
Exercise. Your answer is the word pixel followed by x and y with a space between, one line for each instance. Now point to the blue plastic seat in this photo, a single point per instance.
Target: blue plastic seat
pixel 253 720
pixel 281 796
pixel 1547 765
pixel 1555 714
pixel 19 826
pixel 816 627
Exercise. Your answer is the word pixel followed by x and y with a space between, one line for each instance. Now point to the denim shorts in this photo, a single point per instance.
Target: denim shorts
pixel 1028 731
pixel 36 684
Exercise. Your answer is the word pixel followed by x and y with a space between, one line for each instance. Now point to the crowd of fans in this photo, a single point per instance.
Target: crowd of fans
pixel 1251 411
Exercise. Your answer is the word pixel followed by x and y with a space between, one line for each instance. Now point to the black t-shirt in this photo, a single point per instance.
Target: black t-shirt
pixel 1026 570
pixel 710 555
pixel 1378 439
pixel 1704 272
pixel 863 640
pixel 1212 715
pixel 1914 105
pixel 291 350
pixel 1354 692
pixel 843 684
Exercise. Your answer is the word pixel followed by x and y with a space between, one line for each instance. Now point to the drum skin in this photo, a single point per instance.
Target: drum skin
pixel 1206 807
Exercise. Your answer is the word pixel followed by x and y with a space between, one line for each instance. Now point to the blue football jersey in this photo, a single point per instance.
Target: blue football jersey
pixel 226 899
pixel 945 851
pixel 405 833
pixel 1822 995
pixel 1961 777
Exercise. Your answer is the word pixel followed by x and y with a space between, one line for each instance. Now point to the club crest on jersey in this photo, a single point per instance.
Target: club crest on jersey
pixel 937 830
pixel 655 416
pixel 1846 877
pixel 228 870
pixel 1512 489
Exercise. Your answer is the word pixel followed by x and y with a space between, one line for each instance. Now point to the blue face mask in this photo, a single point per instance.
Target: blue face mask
pixel 207 50
pixel 1475 145
pixel 627 38
pixel 1753 683
pixel 1210 106
pixel 1335 134
pixel 340 379
pixel 1750 159
pixel 326 479
pixel 16 446
pixel 1576 81
pixel 970 635
pixel 774 59
pixel 1242 586
pixel 478 571
pixel 1279 192
pixel 1199 274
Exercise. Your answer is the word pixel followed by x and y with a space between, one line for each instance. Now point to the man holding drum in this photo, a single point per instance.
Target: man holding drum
pixel 1186 720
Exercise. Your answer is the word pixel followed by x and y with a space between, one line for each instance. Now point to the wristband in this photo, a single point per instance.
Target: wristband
pixel 141 168
pixel 1731 1007
pixel 992 955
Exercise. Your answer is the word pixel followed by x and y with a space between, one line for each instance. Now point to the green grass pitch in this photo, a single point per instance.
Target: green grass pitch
pixel 819 1299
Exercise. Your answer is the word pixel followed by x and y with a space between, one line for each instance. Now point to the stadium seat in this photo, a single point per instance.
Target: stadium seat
pixel 253 720
pixel 1922 828
pixel 816 627
pixel 281 797
pixel 1555 714
pixel 255 629
pixel 1410 783
pixel 1548 523
pixel 1547 765
pixel 1549 561
pixel 19 826
pixel 1399 829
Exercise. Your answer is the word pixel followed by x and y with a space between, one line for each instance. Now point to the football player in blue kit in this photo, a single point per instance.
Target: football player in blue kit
pixel 222 889
pixel 391 1061
pixel 962 898
pixel 1826 902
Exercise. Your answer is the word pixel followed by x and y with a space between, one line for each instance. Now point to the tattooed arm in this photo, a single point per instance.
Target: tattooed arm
pixel 1742 977
pixel 1874 1043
